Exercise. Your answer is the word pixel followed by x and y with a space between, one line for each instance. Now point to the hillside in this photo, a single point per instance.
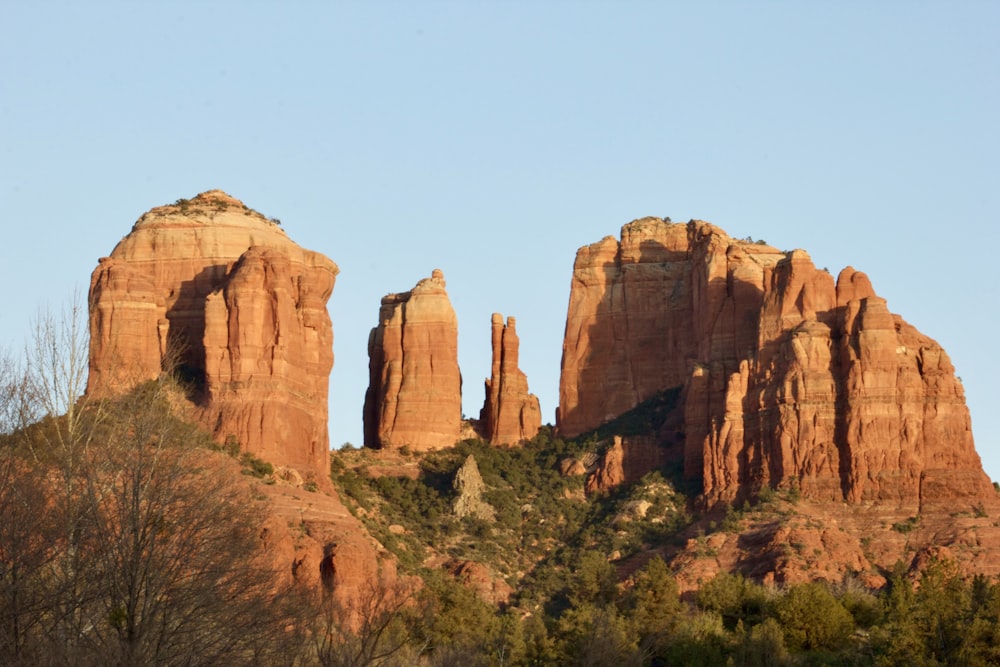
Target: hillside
pixel 644 573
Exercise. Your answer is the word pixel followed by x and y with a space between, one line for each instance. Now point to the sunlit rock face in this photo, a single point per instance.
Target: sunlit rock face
pixel 414 396
pixel 789 377
pixel 219 295
pixel 510 413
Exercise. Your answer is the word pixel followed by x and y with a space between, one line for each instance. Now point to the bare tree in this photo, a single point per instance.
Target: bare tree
pixel 369 630
pixel 58 425
pixel 57 365
pixel 25 535
pixel 125 541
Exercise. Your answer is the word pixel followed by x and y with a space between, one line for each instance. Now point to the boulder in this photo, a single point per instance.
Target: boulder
pixel 481 580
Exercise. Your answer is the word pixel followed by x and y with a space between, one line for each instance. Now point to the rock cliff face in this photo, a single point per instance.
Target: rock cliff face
pixel 414 395
pixel 510 414
pixel 220 294
pixel 788 377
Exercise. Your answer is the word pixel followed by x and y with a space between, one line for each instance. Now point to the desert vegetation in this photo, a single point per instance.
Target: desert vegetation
pixel 584 589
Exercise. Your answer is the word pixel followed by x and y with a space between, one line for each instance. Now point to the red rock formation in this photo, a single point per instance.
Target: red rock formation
pixel 643 309
pixel 788 378
pixel 414 395
pixel 314 541
pixel 268 356
pixel 486 584
pixel 626 461
pixel 510 414
pixel 221 295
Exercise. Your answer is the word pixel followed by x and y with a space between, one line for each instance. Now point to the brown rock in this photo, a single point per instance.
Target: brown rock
pixel 571 467
pixel 643 310
pixel 510 414
pixel 786 543
pixel 219 294
pixel 626 461
pixel 788 379
pixel 268 356
pixel 414 395
pixel 478 578
pixel 317 543
pixel 583 464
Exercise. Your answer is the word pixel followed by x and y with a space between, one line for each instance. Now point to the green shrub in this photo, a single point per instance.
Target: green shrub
pixel 735 598
pixel 255 466
pixel 812 618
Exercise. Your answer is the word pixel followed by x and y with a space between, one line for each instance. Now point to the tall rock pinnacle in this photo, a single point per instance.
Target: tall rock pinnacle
pixel 219 294
pixel 414 396
pixel 510 414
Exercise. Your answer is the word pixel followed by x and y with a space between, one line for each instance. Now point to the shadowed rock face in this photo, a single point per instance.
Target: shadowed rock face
pixel 625 462
pixel 414 396
pixel 220 294
pixel 788 377
pixel 510 414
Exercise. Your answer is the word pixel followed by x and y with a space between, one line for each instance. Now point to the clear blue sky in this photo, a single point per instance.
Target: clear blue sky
pixel 492 139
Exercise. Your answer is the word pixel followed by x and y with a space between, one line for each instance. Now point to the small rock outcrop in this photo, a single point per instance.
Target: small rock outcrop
pixel 469 488
pixel 788 376
pixel 510 413
pixel 318 544
pixel 218 294
pixel 481 580
pixel 414 396
pixel 625 462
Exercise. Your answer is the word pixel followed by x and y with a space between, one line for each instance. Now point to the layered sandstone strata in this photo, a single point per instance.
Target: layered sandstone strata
pixel 218 294
pixel 510 413
pixel 414 396
pixel 788 376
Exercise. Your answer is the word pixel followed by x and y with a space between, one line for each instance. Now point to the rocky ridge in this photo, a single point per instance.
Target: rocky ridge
pixel 788 376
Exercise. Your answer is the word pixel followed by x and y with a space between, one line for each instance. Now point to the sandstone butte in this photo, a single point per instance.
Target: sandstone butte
pixel 414 396
pixel 510 414
pixel 788 377
pixel 220 295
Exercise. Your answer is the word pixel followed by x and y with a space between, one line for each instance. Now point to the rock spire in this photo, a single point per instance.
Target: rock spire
pixel 414 396
pixel 510 414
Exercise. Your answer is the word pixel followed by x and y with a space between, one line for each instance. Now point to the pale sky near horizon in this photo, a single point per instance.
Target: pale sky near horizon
pixel 493 139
